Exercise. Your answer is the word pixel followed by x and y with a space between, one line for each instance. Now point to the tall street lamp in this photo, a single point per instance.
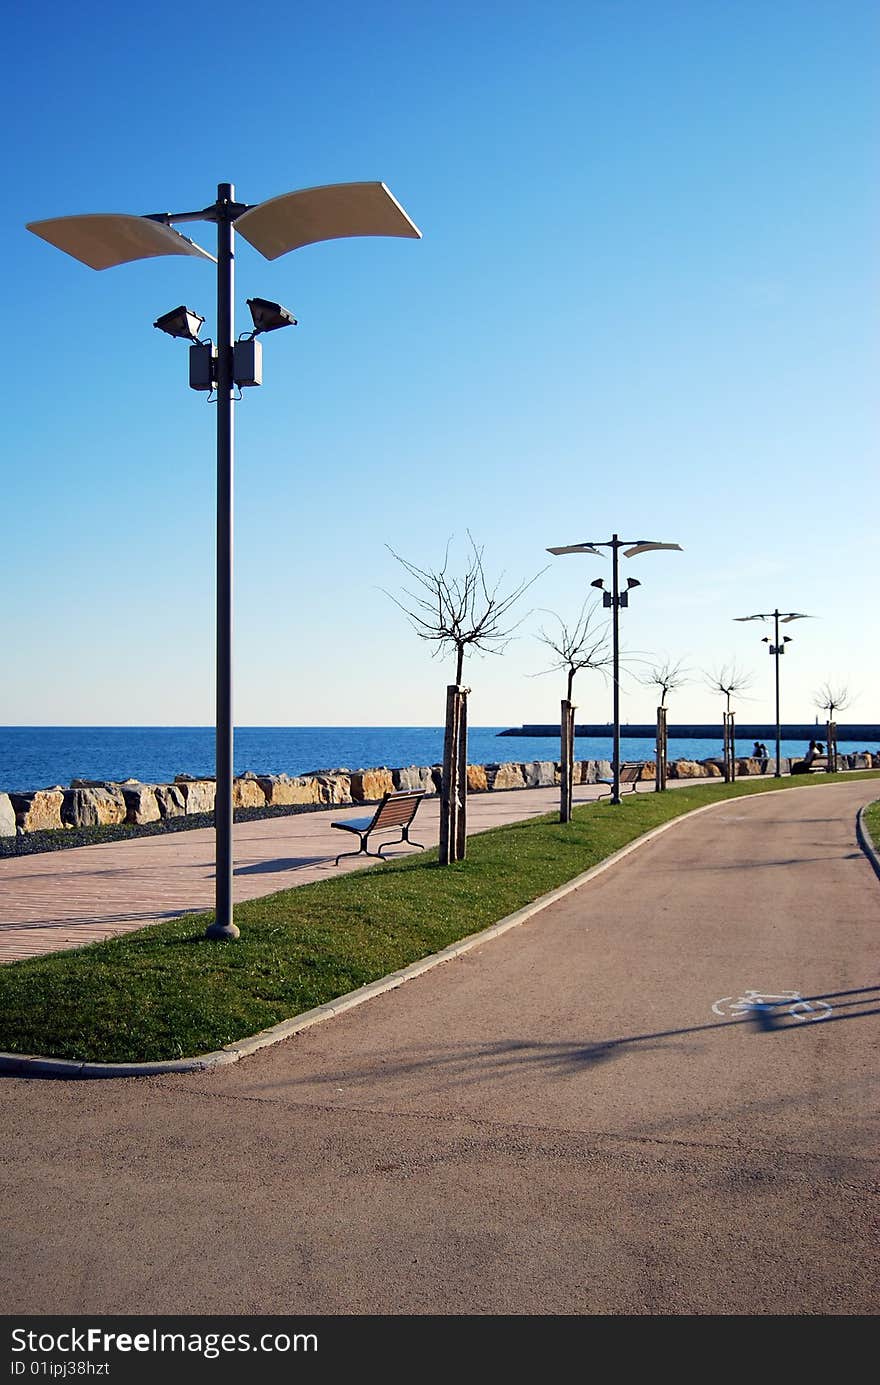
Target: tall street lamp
pixel 273 228
pixel 777 647
pixel 613 600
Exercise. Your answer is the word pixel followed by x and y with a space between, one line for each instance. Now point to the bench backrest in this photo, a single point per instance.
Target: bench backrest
pixel 628 773
pixel 397 809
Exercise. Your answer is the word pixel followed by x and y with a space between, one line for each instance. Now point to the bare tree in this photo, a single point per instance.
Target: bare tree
pixel 731 681
pixel 455 612
pixel 832 697
pixel 579 646
pixel 458 613
pixel 666 677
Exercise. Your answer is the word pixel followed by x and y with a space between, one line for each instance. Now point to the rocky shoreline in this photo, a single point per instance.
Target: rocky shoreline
pixel 103 803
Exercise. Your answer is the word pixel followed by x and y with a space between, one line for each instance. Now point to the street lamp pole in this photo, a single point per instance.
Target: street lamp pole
pixel 273 227
pixel 614 600
pixel 777 647
pixel 223 926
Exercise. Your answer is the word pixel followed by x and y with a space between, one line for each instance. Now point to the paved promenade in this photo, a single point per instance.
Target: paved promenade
pixel 63 899
pixel 574 1118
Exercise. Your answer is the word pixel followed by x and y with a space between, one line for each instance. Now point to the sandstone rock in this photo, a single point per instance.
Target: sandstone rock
pixel 749 766
pixel 505 776
pixel 247 793
pixel 141 804
pixel 369 785
pixel 414 777
pixel 171 800
pixel 875 759
pixel 603 771
pixel 477 781
pixel 7 816
pixel 333 787
pixel 649 770
pixel 712 769
pixel 281 789
pixel 861 760
pixel 197 794
pixel 686 769
pixel 39 811
pixel 92 807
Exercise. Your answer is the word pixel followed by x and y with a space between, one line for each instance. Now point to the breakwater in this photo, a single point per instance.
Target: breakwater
pixel 861 732
pixel 91 803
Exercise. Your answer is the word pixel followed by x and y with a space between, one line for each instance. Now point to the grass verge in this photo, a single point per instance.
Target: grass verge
pixel 164 992
pixel 872 822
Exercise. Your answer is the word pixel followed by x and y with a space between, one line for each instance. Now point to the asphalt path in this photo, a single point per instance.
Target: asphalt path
pixel 579 1117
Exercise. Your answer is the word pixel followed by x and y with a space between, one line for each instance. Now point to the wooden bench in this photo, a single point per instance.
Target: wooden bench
pixel 630 773
pixel 396 810
pixel 818 765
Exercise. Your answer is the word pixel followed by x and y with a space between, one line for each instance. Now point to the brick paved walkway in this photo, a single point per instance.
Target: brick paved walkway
pixel 63 899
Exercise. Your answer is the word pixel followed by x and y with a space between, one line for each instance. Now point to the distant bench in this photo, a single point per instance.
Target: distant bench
pixel 396 810
pixel 818 765
pixel 630 773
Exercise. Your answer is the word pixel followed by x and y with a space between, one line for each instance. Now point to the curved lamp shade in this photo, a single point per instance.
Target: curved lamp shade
pixel 327 213
pixel 643 546
pixel 104 239
pixel 576 548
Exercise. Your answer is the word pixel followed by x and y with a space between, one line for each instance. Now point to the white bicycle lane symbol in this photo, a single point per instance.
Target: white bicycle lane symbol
pixel 791 1002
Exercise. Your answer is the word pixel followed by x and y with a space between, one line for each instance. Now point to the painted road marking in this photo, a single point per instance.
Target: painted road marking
pixel 790 1001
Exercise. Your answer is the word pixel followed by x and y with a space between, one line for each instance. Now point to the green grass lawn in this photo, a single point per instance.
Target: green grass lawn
pixel 164 992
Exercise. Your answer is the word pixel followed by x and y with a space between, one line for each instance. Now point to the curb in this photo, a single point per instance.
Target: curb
pixel 865 841
pixel 26 1065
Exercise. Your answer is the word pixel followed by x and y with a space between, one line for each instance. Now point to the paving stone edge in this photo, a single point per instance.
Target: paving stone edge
pixel 26 1065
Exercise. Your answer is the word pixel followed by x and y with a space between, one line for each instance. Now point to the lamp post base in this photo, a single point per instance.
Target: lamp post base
pixel 224 932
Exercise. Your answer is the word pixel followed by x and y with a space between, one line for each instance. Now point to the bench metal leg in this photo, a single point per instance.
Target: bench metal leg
pixel 361 851
pixel 399 841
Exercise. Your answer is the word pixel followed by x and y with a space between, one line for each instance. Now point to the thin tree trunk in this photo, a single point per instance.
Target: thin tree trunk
pixel 566 767
pixel 660 772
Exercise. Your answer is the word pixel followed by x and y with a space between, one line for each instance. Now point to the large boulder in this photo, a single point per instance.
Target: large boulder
pixel 39 811
pixel 476 779
pixel 505 776
pixel 712 769
pixel 141 804
pixel 247 793
pixel 540 774
pixel 7 816
pixel 749 766
pixel 369 785
pixel 197 794
pixel 686 769
pixel 649 770
pixel 92 807
pixel 281 790
pixel 414 777
pixel 334 786
pixel 861 760
pixel 171 801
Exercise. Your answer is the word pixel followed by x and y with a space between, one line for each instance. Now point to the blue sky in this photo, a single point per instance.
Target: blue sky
pixel 645 302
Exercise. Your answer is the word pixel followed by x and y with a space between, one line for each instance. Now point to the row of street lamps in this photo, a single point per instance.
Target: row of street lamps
pixel 274 228
pixel 616 599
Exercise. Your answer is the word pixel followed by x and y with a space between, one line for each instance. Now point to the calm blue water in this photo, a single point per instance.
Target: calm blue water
pixel 33 757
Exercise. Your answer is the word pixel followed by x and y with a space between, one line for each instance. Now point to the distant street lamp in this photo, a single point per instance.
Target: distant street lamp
pixel 777 647
pixel 613 600
pixel 273 227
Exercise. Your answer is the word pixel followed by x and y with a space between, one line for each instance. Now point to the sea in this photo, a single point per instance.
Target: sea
pixel 35 757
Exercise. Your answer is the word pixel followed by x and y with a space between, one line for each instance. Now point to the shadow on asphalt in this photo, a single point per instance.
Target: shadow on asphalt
pixel 469 1063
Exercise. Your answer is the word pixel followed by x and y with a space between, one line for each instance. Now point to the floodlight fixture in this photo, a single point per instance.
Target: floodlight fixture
pixel 598 581
pixel 181 322
pixel 268 316
pixel 632 582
